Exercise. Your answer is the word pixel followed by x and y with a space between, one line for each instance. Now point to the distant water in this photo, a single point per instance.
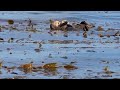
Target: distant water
pixel 99 17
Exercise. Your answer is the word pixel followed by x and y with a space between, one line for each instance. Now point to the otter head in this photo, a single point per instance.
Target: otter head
pixel 56 23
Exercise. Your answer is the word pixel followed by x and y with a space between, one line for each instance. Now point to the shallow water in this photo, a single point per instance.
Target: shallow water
pixel 90 55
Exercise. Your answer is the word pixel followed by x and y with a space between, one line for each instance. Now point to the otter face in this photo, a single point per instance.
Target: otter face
pixel 56 23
